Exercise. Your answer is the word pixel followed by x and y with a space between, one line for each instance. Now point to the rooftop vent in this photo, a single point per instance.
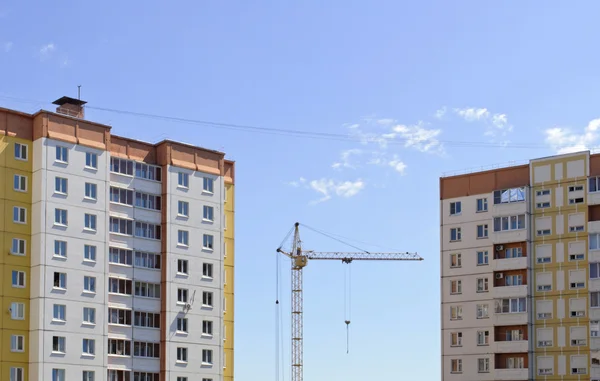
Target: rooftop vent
pixel 70 106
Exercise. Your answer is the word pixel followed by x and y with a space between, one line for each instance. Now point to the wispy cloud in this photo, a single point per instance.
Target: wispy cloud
pixel 439 113
pixel 46 51
pixel 346 159
pixel 328 188
pixel 564 140
pixel 496 124
pixel 8 46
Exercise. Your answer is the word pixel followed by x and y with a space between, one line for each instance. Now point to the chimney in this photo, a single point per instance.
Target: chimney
pixel 70 106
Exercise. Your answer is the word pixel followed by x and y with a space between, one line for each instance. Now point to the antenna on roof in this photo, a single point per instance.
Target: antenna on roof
pixel 79 92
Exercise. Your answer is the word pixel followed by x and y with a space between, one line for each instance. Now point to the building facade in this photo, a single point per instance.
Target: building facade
pixel 118 258
pixel 520 280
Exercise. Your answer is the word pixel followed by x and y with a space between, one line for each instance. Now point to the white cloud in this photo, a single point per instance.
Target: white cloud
pixel 564 140
pixel 296 184
pixel 47 50
pixel 439 114
pixel 345 159
pixel 398 165
pixel 330 187
pixel 497 125
pixel 8 46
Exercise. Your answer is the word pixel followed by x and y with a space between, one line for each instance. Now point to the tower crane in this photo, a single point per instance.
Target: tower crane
pixel 299 260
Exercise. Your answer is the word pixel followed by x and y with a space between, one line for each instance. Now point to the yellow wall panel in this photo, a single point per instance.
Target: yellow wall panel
pixel 12 227
pixel 7 322
pixel 6 369
pixel 6 246
pixel 15 292
pixel 9 154
pixel 7 175
pixel 7 354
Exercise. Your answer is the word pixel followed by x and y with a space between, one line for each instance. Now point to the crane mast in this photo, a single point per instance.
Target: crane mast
pixel 299 260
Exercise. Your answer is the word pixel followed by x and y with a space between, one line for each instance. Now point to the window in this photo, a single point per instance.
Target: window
pixel 482 231
pixel 119 347
pixel 147 230
pixel 207 298
pixel 483 365
pixel 455 260
pixel 91 160
pixel 60 249
pixel 89 315
pixel 482 285
pixel 58 375
pixel 456 339
pixel 147 290
pixel 594 270
pixel 207 270
pixel 148 172
pixel 89 284
pixel 18 279
pixel 20 183
pixel 543 232
pixel 17 374
pixel 145 376
pixel 119 286
pixel 60 217
pixel 456 287
pixel 20 151
pixel 182 295
pixel 207 241
pixel 511 305
pixel 183 237
pixel 482 205
pixel 455 234
pixel 456 313
pixel 482 311
pixel 483 258
pixel 62 154
pixel 182 266
pixel 60 280
pixel 145 349
pixel 543 192
pixel 513 280
pixel 594 241
pixel 207 327
pixel 122 166
pixel 19 215
pixel 89 347
pixel 208 214
pixel 119 316
pixel 594 184
pixel 89 253
pixel 17 343
pixel 183 208
pixel 508 223
pixel 183 180
pixel 514 252
pixel 88 375
pixel 18 247
pixel 121 226
pixel 456 366
pixel 576 257
pixel 119 375
pixel 147 201
pixel 208 185
pixel 207 357
pixel 577 200
pixel 121 196
pixel 146 319
pixel 541 205
pixel 594 328
pixel 182 325
pixel 483 337
pixel 59 312
pixel 90 221
pixel 147 260
pixel 120 256
pixel 455 208
pixel 58 344
pixel 578 228
pixel 505 196
pixel 17 311
pixel 91 191
pixel 182 354
pixel 180 378
pixel 61 185
pixel 595 299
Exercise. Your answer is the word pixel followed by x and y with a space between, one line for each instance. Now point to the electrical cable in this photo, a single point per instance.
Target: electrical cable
pixel 334 238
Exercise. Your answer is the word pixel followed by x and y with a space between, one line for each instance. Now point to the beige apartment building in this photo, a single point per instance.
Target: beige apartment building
pixel 520 271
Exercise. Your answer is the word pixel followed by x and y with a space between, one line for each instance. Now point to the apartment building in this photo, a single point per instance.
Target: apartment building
pixel 119 254
pixel 520 280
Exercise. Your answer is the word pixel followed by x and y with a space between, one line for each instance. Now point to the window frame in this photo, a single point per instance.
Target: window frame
pixel 21 181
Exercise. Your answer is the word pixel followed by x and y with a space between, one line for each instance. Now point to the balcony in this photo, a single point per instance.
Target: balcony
pixel 510 291
pixel 511 339
pixel 515 318
pixel 502 237
pixel 509 264
pixel 512 374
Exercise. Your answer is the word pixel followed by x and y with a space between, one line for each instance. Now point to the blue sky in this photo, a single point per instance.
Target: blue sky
pixel 409 81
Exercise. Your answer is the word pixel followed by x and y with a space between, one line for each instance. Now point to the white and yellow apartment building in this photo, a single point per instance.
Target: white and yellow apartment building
pixel 117 256
pixel 520 271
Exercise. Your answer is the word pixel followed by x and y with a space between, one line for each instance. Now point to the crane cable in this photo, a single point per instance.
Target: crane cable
pixel 277 317
pixel 347 303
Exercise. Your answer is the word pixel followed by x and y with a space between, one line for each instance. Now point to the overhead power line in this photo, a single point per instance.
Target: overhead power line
pixel 366 138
